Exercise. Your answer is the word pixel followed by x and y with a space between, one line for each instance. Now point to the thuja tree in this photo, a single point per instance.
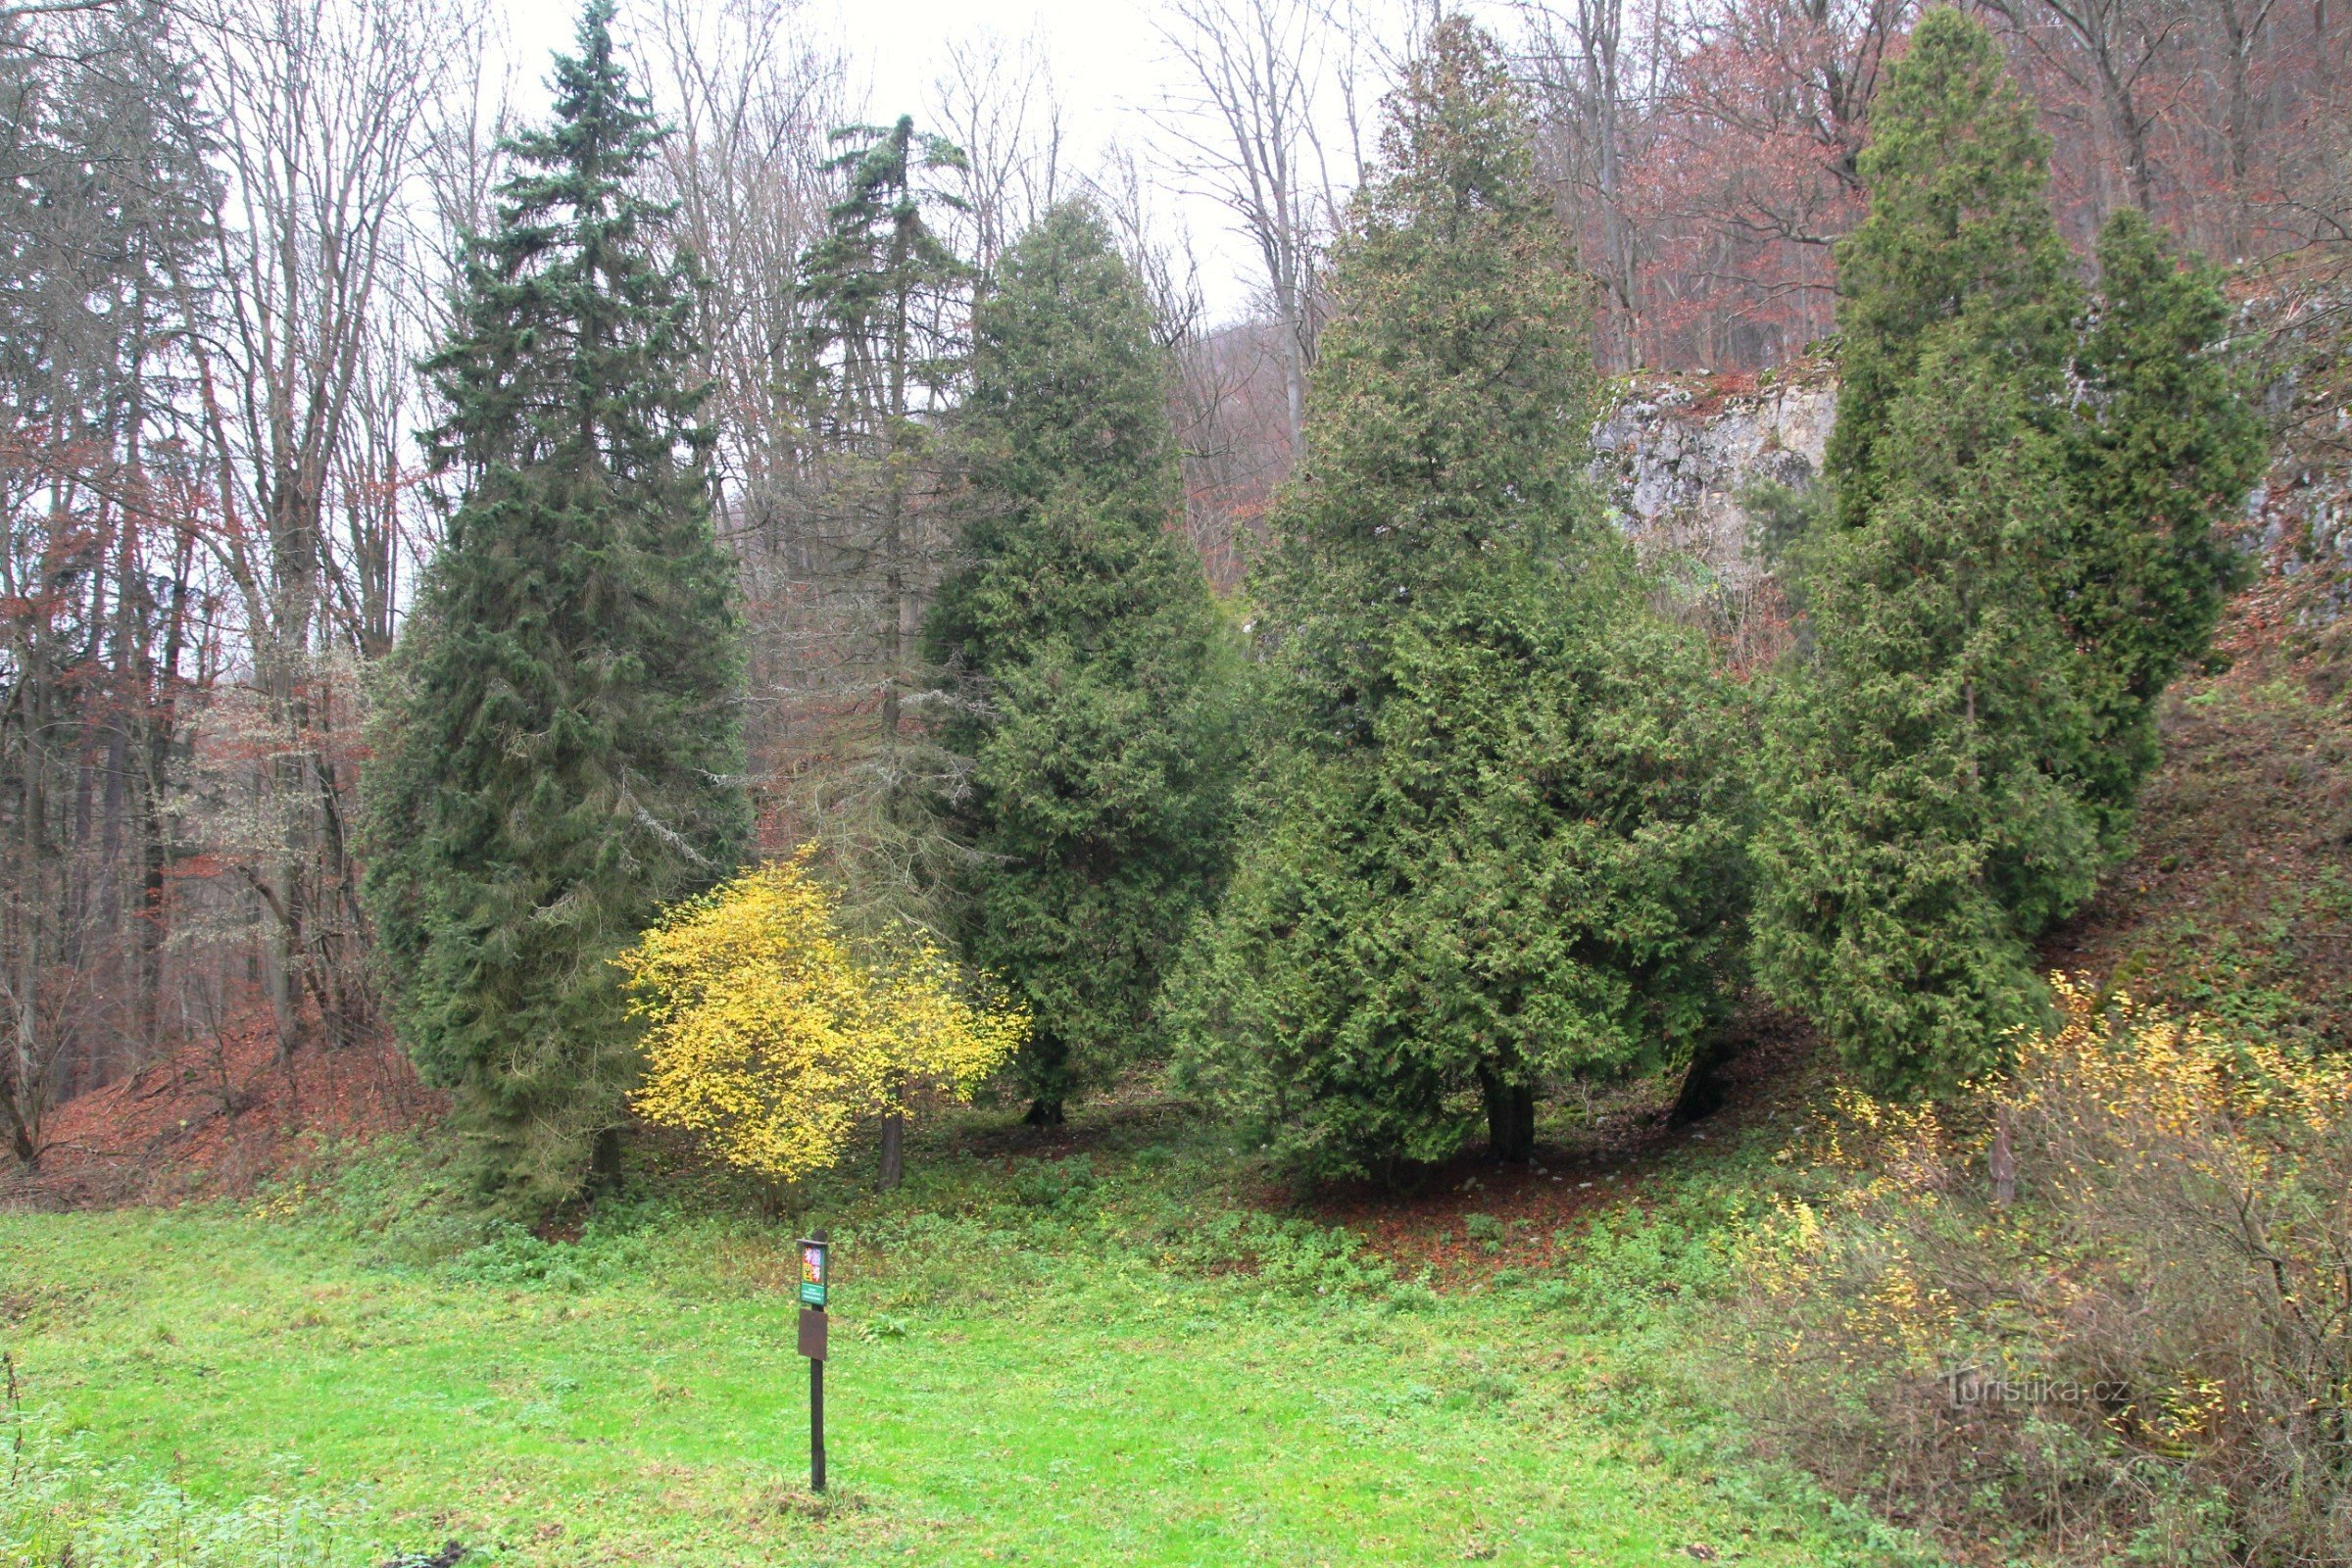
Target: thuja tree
pixel 1921 816
pixel 2160 447
pixel 1958 243
pixel 2019 555
pixel 1087 651
pixel 1495 833
pixel 558 753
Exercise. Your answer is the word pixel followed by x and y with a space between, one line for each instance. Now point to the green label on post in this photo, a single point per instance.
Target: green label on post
pixel 815 1275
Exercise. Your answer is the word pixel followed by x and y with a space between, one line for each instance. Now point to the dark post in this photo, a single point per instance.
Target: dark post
pixel 816 1426
pixel 815 1278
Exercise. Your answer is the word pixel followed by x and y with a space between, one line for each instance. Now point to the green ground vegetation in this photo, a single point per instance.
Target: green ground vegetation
pixel 1106 1357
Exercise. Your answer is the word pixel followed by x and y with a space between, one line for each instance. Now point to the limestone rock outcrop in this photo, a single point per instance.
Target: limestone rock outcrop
pixel 1677 453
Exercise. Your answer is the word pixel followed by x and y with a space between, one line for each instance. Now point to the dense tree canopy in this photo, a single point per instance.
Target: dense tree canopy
pixel 1496 829
pixel 2161 447
pixel 2018 557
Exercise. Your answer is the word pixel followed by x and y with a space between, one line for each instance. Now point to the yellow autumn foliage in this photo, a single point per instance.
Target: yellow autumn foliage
pixel 773 1036
pixel 2151 1332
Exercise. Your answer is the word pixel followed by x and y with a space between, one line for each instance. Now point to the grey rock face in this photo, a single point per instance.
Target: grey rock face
pixel 1678 452
pixel 1675 457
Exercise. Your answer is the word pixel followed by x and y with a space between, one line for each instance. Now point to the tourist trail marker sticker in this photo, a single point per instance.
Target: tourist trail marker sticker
pixel 814 1277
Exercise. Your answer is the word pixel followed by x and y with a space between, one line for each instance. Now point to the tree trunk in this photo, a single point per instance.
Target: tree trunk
pixel 894 1151
pixel 2001 1163
pixel 1701 1092
pixel 2123 110
pixel 604 1162
pixel 20 1139
pixel 1044 1071
pixel 1510 1121
pixel 2240 113
pixel 1293 379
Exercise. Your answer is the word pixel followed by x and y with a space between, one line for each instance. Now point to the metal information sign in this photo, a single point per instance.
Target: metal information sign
pixel 813 1273
pixel 814 1277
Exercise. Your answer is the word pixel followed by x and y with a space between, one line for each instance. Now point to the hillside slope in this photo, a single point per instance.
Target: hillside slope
pixel 2237 898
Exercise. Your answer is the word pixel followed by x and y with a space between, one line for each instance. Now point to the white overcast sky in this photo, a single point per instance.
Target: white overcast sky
pixel 1112 72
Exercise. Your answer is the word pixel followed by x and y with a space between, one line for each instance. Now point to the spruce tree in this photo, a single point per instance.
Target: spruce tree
pixel 2160 448
pixel 1087 647
pixel 1921 776
pixel 884 353
pixel 557 754
pixel 1495 836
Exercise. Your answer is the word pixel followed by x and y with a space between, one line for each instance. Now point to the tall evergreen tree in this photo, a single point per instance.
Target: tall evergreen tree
pixel 1958 243
pixel 1495 838
pixel 1924 812
pixel 883 293
pixel 558 753
pixel 2160 447
pixel 1088 645
pixel 2020 556
pixel 884 354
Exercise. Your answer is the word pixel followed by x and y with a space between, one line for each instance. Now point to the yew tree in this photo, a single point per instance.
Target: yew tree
pixel 1089 659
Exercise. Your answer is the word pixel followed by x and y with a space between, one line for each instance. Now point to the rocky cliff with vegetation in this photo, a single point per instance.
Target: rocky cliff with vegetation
pixel 1678 452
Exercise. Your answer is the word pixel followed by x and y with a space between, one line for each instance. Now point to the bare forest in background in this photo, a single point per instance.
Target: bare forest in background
pixel 230 227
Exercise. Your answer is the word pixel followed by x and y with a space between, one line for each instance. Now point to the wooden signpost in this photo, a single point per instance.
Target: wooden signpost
pixel 816 1276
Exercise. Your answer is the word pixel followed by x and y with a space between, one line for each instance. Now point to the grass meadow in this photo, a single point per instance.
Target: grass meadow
pixel 1111 1357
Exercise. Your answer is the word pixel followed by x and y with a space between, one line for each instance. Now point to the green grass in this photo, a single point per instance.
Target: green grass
pixel 1106 1360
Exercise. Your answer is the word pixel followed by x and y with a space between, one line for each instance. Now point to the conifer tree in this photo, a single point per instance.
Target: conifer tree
pixel 1958 242
pixel 1088 645
pixel 2021 556
pixel 883 294
pixel 1494 835
pixel 558 752
pixel 883 355
pixel 2160 448
pixel 1923 815
pixel 1921 820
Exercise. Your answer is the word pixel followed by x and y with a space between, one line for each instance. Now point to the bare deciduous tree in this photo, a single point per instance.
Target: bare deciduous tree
pixel 1250 136
pixel 997 100
pixel 323 108
pixel 2107 48
pixel 751 103
pixel 103 197
pixel 1225 384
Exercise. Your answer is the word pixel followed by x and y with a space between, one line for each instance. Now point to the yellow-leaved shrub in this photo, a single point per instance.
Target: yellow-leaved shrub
pixel 772 1035
pixel 2146 1352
